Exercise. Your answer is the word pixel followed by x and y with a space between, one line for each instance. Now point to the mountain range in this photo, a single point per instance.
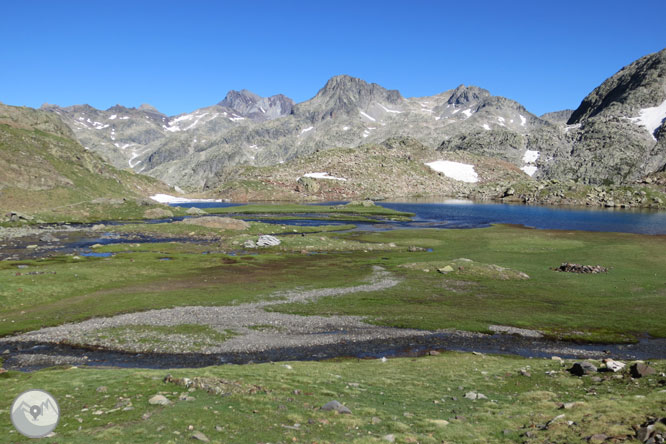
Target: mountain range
pixel 617 134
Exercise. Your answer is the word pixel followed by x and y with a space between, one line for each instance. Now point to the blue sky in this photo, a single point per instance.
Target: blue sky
pixel 179 56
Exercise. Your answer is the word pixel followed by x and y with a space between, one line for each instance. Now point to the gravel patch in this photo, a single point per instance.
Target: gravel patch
pixel 515 331
pixel 255 329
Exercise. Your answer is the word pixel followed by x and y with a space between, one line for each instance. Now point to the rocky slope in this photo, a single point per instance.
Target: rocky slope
pixel 42 166
pixel 126 137
pixel 393 168
pixel 618 133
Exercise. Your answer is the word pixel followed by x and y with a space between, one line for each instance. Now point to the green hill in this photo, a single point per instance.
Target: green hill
pixel 44 169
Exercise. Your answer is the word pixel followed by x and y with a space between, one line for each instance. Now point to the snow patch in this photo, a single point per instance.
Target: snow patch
pixel 113 117
pixel 530 157
pixel 124 118
pixel 651 118
pixel 367 116
pixel 455 111
pixel 468 113
pixel 389 110
pixel 523 121
pixel 571 127
pixel 486 127
pixel 455 170
pixel 323 176
pixel 345 128
pixel 166 198
pixel 529 169
pixel 305 130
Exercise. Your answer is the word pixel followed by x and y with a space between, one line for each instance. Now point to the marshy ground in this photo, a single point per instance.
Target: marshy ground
pixel 329 289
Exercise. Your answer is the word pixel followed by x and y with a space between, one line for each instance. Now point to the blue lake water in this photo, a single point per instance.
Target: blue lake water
pixel 457 214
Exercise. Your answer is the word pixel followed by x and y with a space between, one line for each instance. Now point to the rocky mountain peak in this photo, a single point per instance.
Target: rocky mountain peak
pixel 463 95
pixel 248 104
pixel 345 95
pixel 641 84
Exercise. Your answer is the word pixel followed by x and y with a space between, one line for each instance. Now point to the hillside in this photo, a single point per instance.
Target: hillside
pixel 393 168
pixel 42 167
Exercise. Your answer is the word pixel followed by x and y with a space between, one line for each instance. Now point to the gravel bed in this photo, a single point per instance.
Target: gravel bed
pixel 254 328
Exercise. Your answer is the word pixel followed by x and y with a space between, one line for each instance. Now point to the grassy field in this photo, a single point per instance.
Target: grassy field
pixel 410 400
pixel 619 305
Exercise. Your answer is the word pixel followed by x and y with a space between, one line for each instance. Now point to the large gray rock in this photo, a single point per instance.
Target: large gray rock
pixel 267 240
pixel 336 406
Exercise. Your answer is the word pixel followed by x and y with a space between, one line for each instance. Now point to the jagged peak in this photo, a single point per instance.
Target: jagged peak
pixel 465 94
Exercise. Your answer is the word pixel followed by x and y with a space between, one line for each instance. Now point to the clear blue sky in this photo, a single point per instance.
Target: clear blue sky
pixel 183 55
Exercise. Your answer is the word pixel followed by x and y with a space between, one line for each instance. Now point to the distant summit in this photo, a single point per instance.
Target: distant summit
pixel 250 105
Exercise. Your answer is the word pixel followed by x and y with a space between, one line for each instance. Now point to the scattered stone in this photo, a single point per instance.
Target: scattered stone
pixel 389 437
pixel 640 369
pixel 159 400
pixel 567 267
pixel 526 373
pixel 612 365
pixel 375 420
pixel 98 227
pixel 475 395
pixel 439 422
pixel 250 244
pixel 649 432
pixel 433 353
pixel 336 406
pixel 267 240
pixel 185 397
pixel 157 213
pixel 446 269
pixel 415 249
pixel 569 405
pixel 597 438
pixel 48 237
pixel 582 368
pixel 218 428
pixel 102 389
pixel 195 211
pixel 96 246
pixel 199 436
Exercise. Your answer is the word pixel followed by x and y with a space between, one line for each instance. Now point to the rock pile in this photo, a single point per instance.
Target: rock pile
pixel 577 268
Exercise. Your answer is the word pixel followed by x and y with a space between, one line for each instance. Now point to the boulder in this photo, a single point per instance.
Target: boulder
pixel 640 369
pixel 307 185
pixel 336 406
pixel 48 237
pixel 249 244
pixel 222 223
pixel 14 216
pixel 195 211
pixel 159 400
pixel 157 213
pixel 267 241
pixel 582 368
pixel 199 436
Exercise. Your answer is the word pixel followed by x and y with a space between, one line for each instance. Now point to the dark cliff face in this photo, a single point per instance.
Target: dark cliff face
pixel 641 84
